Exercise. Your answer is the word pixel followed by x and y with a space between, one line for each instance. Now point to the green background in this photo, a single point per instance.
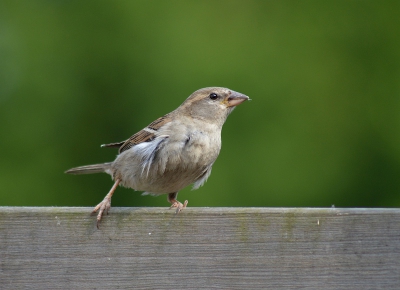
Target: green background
pixel 322 128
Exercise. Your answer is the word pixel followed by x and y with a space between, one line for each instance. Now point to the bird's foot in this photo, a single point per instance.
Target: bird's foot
pixel 178 205
pixel 102 207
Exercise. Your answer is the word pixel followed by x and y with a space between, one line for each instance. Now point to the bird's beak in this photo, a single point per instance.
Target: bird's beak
pixel 235 99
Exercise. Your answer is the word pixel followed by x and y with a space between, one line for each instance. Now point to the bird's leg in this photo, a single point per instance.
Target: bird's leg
pixel 105 205
pixel 174 203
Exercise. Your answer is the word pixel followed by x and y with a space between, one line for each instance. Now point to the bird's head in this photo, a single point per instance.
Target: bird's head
pixel 212 104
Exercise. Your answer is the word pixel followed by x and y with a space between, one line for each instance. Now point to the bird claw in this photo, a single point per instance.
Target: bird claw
pixel 179 206
pixel 102 207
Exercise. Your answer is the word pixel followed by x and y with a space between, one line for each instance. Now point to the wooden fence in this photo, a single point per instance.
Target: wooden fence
pixel 200 248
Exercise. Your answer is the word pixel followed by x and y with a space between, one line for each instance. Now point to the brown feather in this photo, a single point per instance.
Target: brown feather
pixel 118 144
pixel 157 124
pixel 143 135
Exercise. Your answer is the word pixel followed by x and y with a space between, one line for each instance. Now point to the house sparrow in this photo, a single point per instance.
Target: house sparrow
pixel 172 152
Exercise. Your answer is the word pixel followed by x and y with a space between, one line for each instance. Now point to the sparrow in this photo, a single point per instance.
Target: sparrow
pixel 174 151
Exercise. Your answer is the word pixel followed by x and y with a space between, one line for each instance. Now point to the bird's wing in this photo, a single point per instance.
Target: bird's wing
pixel 145 135
pixel 118 144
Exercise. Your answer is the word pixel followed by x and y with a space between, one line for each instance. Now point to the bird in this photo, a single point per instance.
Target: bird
pixel 174 151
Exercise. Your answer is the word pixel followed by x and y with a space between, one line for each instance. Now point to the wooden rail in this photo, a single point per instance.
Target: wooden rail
pixel 200 248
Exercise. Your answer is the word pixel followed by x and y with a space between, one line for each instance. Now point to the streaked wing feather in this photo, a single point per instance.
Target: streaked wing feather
pixel 117 144
pixel 157 124
pixel 145 135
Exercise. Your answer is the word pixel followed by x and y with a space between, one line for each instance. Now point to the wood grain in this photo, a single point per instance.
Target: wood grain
pixel 200 248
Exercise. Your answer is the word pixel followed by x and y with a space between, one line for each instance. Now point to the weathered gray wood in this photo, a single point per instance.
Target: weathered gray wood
pixel 201 248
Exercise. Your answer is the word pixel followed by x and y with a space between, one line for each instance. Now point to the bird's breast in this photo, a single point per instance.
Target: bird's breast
pixel 201 147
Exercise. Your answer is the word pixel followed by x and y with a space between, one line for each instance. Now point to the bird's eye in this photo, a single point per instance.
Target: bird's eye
pixel 213 96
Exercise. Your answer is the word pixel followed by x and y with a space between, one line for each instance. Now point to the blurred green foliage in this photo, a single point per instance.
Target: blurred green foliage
pixel 322 128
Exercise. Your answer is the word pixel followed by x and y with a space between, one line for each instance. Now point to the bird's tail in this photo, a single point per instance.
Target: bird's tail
pixel 89 169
